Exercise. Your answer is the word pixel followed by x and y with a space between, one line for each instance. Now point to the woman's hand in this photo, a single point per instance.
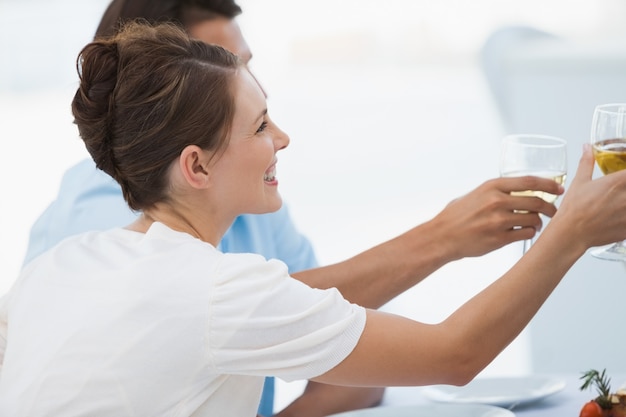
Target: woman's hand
pixel 594 210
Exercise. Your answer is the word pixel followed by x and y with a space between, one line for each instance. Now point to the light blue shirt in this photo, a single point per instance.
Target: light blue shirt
pixel 89 199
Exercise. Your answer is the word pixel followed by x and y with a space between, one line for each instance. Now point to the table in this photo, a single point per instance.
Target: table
pixel 566 403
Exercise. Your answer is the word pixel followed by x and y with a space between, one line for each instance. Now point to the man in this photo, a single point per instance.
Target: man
pixel 473 225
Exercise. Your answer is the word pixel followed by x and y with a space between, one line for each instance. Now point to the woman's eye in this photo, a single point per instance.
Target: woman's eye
pixel 262 127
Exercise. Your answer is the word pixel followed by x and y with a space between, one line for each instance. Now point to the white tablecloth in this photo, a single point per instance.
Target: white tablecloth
pixel 566 403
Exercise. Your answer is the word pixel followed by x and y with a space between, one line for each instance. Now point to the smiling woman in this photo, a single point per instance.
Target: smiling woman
pixel 154 315
pixel 406 64
pixel 191 159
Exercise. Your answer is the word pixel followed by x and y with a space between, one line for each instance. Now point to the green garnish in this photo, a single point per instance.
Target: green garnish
pixel 602 384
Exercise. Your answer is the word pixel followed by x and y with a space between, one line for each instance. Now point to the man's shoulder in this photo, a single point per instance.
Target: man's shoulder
pixel 85 175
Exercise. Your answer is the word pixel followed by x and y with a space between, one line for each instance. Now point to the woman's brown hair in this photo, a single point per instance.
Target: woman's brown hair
pixel 144 95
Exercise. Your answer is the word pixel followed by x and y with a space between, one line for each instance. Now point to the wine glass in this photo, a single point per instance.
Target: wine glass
pixel 608 139
pixel 537 155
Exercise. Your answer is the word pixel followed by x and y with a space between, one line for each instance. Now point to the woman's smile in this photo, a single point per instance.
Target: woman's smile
pixel 270 175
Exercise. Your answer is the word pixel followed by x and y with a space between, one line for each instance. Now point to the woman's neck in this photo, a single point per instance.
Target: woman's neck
pixel 200 228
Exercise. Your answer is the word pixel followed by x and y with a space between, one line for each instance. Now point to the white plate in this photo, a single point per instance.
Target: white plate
pixel 430 410
pixel 503 392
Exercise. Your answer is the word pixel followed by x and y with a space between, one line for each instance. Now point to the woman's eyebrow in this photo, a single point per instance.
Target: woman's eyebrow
pixel 261 115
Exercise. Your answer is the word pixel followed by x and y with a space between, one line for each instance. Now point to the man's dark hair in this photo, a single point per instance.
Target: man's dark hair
pixel 180 12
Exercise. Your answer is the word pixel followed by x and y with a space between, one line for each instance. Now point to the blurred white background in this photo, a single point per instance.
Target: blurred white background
pixel 385 102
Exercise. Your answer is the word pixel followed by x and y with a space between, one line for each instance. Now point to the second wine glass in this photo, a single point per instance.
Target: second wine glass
pixel 537 155
pixel 608 138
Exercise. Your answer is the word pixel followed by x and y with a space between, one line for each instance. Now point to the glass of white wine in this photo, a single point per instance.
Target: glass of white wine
pixel 608 139
pixel 537 155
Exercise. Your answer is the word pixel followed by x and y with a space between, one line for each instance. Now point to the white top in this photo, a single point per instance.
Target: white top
pixel 121 323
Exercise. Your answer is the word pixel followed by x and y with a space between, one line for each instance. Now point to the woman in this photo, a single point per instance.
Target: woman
pixel 478 223
pixel 152 319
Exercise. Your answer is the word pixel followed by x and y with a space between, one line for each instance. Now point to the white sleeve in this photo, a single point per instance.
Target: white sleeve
pixel 263 322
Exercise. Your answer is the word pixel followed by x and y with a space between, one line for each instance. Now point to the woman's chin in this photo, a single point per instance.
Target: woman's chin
pixel 277 205
pixel 270 207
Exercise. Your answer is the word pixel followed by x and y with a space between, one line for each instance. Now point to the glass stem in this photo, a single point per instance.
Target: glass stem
pixel 526 246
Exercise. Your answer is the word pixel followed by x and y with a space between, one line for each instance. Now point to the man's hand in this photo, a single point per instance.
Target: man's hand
pixel 489 217
pixel 481 221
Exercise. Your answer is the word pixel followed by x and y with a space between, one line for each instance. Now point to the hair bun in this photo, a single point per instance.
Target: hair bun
pixel 94 103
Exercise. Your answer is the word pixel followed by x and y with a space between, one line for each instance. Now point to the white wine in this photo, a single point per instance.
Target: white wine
pixel 610 155
pixel 558 177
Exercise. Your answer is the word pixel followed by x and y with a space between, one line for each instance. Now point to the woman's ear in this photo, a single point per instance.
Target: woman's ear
pixel 194 166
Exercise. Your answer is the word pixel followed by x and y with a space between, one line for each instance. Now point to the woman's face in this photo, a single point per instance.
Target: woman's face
pixel 244 176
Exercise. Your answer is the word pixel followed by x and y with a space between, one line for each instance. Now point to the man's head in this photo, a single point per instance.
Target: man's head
pixel 211 21
pixel 182 12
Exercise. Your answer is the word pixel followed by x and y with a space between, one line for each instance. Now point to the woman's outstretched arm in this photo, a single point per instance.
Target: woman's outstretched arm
pixel 399 351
